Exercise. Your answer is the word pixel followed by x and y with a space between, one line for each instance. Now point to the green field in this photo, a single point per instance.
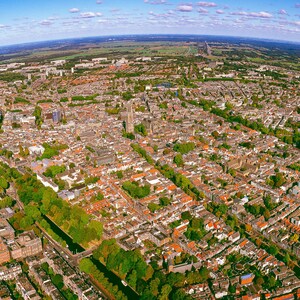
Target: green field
pixel 111 50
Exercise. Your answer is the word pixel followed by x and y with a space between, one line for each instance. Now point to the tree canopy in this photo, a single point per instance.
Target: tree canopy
pixel 136 191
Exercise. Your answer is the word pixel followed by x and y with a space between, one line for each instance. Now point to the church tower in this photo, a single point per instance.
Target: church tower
pixel 129 119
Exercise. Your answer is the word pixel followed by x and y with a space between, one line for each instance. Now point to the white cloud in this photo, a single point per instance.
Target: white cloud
pixel 202 11
pixel 46 23
pixel 185 8
pixel 90 14
pixel 262 14
pixel 155 2
pixel 282 12
pixel 99 2
pixel 207 4
pixel 101 21
pixel 74 10
pixel 220 11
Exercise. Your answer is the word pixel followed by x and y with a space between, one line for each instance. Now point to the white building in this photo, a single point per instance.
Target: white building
pixel 38 150
pixel 47 182
pixel 58 62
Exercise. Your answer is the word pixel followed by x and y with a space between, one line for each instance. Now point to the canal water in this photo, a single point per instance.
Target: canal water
pixel 73 247
pixel 114 279
pixel 76 248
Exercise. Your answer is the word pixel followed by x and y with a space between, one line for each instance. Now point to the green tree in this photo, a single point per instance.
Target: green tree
pixel 153 207
pixel 132 278
pixel 259 280
pixel 141 129
pixel 178 160
pixel 3 183
pixel 204 273
pixel 52 171
pixel 273 250
pixel 85 265
pixel 184 148
pixel 135 190
pixel 287 258
pixel 267 214
pixel 276 180
pixel 71 165
pixel 127 96
pixel 33 212
pixel 38 116
pixel 215 134
pixel 232 289
pixel 99 196
pixel 58 281
pixel 26 222
pixel 165 291
pixel 294 238
pixel 97 226
pixel 119 174
pixel 164 201
pixel 154 286
pixel 186 215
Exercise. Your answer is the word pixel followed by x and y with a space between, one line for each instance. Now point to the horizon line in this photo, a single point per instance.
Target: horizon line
pixel 155 34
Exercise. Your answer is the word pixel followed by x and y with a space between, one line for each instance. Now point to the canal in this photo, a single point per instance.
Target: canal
pixel 114 279
pixel 73 247
pixel 76 248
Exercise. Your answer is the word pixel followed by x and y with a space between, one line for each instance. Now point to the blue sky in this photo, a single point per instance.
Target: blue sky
pixel 37 20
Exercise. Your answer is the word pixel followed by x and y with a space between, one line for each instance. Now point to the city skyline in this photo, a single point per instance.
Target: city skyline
pixel 34 20
pixel 150 149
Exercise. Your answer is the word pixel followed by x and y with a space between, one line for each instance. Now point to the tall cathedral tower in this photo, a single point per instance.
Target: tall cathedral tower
pixel 129 119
